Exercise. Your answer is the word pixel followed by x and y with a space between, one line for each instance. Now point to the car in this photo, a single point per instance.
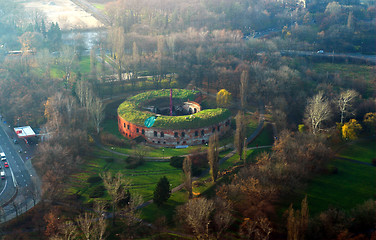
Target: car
pixel 320 51
pixel 2 175
pixel 2 156
pixel 6 164
pixel 15 141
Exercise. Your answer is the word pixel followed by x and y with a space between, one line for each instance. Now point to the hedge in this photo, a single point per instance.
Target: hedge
pixel 129 111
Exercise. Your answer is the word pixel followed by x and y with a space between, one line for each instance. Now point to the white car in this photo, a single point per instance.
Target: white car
pixel 320 51
pixel 2 156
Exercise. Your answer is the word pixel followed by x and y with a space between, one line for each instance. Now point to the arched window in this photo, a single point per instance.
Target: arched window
pixel 176 134
pixel 143 131
pixel 196 133
pixel 202 132
pixel 219 128
pixel 155 134
pixel 137 130
pixel 182 134
pixel 162 134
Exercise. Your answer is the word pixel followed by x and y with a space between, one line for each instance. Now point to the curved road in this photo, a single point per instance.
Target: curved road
pixel 18 193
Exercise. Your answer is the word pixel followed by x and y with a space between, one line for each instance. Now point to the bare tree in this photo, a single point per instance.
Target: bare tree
pixel 115 186
pixel 68 230
pixel 97 113
pixel 196 214
pixel 85 223
pixel 67 58
pixel 117 42
pixel 213 156
pixel 244 78
pixel 317 111
pixel 187 169
pixel 222 218
pixel 258 229
pixel 92 224
pixel 344 102
pixel 100 224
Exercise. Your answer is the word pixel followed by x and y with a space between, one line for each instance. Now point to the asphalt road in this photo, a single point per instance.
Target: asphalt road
pixel 17 191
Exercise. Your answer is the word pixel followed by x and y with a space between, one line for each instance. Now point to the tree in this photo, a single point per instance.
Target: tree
pixel 116 186
pixel 196 214
pixel 370 121
pixel 117 41
pixel 256 229
pixel 344 102
pixel 351 129
pixel 244 78
pixel 317 111
pixel 97 113
pixel 213 156
pixel 93 63
pixel 223 98
pixel 85 223
pixel 297 221
pixel 162 191
pixel 68 230
pixel 187 169
pixel 239 133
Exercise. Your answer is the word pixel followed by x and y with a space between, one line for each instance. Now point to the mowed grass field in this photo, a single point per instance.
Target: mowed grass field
pixel 352 185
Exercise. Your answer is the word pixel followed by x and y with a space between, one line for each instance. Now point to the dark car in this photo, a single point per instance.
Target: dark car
pixel 15 141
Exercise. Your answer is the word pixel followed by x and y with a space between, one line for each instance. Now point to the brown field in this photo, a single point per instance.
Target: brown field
pixel 66 13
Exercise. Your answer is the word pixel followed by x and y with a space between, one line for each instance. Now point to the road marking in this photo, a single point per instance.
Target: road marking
pixel 6 182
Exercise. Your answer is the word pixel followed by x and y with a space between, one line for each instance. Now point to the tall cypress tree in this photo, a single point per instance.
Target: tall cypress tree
pixel 162 192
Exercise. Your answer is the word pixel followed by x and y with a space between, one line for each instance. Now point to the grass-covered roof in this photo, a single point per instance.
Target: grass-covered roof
pixel 129 111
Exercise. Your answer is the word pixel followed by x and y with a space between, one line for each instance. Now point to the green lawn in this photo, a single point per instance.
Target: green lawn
pixel 354 184
pixel 362 150
pixel 265 138
pixel 152 212
pixel 143 179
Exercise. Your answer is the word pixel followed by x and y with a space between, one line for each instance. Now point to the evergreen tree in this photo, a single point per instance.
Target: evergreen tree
pixel 162 192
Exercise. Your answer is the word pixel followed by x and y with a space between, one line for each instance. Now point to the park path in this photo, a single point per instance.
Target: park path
pixel 355 161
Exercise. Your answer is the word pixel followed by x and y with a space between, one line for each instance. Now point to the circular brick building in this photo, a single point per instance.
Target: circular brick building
pixel 189 125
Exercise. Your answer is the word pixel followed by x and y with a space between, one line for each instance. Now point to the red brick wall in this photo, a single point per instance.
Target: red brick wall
pixel 167 137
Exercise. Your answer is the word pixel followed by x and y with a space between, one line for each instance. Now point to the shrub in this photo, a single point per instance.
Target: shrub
pixel 109 160
pixel 177 162
pixel 363 217
pixel 110 139
pixel 374 161
pixel 133 162
pixel 94 179
pixel 97 191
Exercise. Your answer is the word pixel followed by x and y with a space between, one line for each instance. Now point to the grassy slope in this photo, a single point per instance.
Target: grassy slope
pixel 354 183
pixel 362 150
pixel 144 177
